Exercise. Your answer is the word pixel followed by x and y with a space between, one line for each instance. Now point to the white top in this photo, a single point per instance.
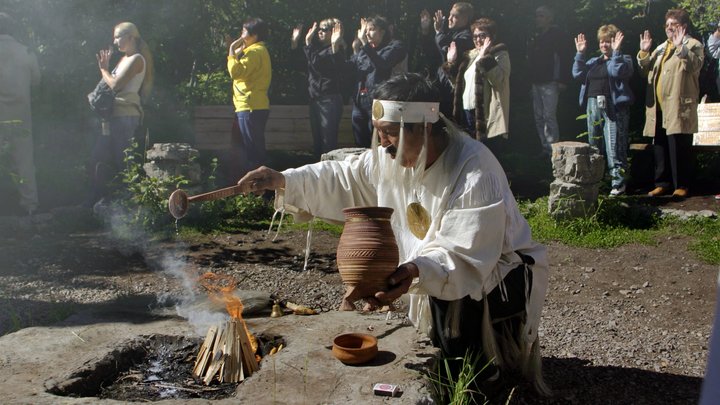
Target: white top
pixel 134 84
pixel 468 96
pixel 476 224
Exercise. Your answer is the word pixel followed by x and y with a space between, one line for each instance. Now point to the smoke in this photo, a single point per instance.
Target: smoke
pixel 199 310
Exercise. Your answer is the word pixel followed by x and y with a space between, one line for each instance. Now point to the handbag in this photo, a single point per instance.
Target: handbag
pixel 102 99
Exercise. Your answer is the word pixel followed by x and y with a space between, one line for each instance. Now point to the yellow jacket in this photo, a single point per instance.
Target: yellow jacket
pixel 251 73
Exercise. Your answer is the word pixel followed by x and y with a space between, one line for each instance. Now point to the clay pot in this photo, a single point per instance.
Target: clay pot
pixel 355 348
pixel 367 253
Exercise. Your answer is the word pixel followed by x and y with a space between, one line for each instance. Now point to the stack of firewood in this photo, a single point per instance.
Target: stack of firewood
pixel 227 353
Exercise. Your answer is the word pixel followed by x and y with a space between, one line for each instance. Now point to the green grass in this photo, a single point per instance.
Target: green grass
pixel 318 225
pixel 456 388
pixel 705 233
pixel 621 221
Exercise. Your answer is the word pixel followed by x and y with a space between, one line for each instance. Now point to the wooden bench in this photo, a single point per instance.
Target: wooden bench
pixel 288 128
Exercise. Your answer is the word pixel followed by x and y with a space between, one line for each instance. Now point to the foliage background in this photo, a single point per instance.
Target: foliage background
pixel 186 37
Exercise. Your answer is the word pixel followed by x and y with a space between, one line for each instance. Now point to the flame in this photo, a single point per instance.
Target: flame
pixel 220 289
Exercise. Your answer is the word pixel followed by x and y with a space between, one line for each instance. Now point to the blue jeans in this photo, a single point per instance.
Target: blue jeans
pixel 362 120
pixel 108 155
pixel 325 113
pixel 545 100
pixel 610 137
pixel 252 131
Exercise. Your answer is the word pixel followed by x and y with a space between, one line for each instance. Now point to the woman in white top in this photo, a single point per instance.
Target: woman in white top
pixel 131 80
pixel 481 97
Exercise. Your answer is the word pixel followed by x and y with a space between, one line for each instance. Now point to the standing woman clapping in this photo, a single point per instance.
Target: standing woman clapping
pixel 324 52
pixel 248 63
pixel 375 56
pixel 131 80
pixel 481 87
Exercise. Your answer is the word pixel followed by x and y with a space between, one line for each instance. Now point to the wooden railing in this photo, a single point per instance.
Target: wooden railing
pixel 288 128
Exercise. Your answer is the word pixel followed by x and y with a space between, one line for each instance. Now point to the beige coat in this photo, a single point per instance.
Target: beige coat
pixel 492 91
pixel 678 85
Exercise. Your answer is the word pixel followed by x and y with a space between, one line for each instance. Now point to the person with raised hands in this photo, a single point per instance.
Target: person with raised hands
pixel 249 66
pixel 672 70
pixel 437 33
pixel 606 95
pixel 376 54
pixel 324 53
pixel 481 85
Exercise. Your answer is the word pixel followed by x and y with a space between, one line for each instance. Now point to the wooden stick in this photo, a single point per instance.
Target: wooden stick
pixel 205 352
pixel 247 352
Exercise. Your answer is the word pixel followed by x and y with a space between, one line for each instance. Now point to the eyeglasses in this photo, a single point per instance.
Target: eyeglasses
pixel 325 29
pixel 671 25
pixel 480 36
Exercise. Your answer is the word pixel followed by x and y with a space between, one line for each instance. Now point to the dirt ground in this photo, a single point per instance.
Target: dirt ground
pixel 623 325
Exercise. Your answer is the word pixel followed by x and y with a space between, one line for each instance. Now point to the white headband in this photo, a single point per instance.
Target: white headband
pixel 405 111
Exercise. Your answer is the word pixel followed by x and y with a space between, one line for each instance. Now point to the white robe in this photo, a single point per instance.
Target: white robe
pixel 476 225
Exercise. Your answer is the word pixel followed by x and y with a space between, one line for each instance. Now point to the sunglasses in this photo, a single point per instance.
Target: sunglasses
pixel 325 29
pixel 480 36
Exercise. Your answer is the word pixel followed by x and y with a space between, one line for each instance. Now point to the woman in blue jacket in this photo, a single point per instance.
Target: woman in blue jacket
pixel 606 94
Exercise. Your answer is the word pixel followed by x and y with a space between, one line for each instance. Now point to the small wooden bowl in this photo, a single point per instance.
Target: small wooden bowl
pixel 355 348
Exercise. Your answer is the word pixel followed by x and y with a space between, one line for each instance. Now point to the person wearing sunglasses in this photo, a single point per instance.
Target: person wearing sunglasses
pixel 481 88
pixel 324 53
pixel 671 100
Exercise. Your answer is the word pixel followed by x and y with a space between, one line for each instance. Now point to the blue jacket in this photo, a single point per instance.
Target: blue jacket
pixel 620 69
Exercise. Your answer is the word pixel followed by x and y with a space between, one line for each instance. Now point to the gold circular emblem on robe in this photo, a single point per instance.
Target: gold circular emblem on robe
pixel 418 220
pixel 377 110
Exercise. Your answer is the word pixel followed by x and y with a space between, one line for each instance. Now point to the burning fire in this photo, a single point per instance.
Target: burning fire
pixel 228 353
pixel 219 288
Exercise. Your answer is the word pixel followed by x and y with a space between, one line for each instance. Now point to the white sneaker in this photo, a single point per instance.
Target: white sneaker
pixel 616 191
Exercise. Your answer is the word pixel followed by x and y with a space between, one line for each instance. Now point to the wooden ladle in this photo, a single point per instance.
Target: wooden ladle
pixel 179 200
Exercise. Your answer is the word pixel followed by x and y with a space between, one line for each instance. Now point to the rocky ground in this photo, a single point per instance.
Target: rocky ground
pixel 624 325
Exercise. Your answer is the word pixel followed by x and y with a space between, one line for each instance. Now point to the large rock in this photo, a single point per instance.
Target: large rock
pixel 166 160
pixel 578 169
pixel 577 162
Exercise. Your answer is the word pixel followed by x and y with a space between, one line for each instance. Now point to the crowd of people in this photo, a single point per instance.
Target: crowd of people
pixel 471 67
pixel 463 56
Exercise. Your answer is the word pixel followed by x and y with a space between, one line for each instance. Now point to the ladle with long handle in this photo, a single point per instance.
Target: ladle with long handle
pixel 179 200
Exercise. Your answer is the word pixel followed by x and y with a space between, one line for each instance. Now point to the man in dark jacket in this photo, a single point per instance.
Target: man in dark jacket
pixel 456 30
pixel 550 58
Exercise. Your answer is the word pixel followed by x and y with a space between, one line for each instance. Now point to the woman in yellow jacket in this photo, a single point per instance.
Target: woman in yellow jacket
pixel 249 65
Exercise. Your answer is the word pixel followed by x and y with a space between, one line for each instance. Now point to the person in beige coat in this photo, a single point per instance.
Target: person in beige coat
pixel 481 96
pixel 672 71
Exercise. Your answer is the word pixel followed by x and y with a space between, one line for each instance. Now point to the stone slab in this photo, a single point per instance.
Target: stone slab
pixel 304 372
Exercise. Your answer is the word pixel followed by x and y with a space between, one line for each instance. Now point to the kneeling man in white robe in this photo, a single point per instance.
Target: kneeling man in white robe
pixel 476 280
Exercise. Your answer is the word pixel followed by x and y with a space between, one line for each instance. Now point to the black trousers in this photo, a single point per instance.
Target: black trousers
pixel 510 312
pixel 673 158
